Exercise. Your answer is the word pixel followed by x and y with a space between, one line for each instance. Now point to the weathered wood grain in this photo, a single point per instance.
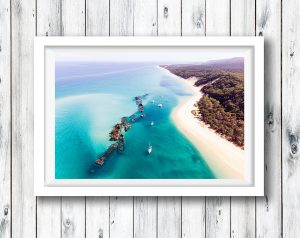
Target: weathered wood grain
pixel 5 120
pixel 48 222
pixel 193 17
pixel 218 208
pixel 121 208
pixel 97 208
pixel 242 208
pixel 268 208
pixel 121 17
pixel 97 18
pixel 217 217
pixel 217 18
pixel 145 217
pixel 23 14
pixel 73 217
pixel 73 17
pixel 48 19
pixel 193 208
pixel 145 208
pixel 145 18
pixel 121 217
pixel 242 17
pixel 193 217
pixel 169 217
pixel 73 209
pixel 97 217
pixel 48 23
pixel 290 117
pixel 169 17
pixel 169 208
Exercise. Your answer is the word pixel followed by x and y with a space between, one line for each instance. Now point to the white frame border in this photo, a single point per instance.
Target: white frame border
pixel 41 188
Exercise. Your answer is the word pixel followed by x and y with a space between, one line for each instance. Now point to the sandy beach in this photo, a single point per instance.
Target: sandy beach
pixel 225 159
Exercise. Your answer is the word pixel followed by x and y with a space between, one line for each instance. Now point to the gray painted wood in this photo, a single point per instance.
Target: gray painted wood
pixel 23 205
pixel 242 208
pixel 97 208
pixel 290 118
pixel 121 208
pixel 22 216
pixel 169 217
pixel 169 208
pixel 218 208
pixel 268 208
pixel 193 208
pixel 5 121
pixel 121 217
pixel 145 208
pixel 48 23
pixel 73 209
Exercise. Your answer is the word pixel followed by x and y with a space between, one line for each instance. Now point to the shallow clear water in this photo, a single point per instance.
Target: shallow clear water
pixel 92 97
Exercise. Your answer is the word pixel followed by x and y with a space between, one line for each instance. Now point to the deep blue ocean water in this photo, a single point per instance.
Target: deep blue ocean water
pixel 92 97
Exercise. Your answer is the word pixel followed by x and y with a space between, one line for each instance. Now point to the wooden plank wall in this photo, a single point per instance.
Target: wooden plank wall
pixel 274 215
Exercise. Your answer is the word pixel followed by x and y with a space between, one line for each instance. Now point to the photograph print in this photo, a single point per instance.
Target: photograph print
pixel 156 113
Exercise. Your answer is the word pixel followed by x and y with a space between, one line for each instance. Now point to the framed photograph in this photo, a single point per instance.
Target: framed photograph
pixel 148 116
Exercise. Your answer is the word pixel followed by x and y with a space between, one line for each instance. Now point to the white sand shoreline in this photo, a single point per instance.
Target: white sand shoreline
pixel 225 159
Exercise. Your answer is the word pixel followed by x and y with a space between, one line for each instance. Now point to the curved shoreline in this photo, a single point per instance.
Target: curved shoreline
pixel 225 159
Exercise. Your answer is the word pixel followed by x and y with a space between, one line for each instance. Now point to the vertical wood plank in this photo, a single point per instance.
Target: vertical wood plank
pixel 121 217
pixel 193 208
pixel 73 208
pixel 169 217
pixel 242 18
pixel 121 208
pixel 145 18
pixel 145 217
pixel 193 217
pixel 97 208
pixel 121 17
pixel 97 217
pixel 97 18
pixel 169 17
pixel 242 217
pixel 268 208
pixel 217 217
pixel 218 17
pixel 5 120
pixel 73 17
pixel 193 17
pixel 145 208
pixel 23 201
pixel 218 208
pixel 242 208
pixel 48 208
pixel 169 208
pixel 48 217
pixel 73 217
pixel 291 115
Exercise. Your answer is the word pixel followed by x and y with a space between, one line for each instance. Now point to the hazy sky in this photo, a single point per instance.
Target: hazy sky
pixel 148 54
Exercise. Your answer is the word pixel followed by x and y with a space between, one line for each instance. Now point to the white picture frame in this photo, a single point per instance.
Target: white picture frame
pixel 45 183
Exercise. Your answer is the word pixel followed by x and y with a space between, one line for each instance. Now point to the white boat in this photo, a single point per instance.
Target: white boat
pixel 152 123
pixel 149 149
pixel 159 105
pixel 153 101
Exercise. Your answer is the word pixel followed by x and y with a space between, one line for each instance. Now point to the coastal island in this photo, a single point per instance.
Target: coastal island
pixel 214 118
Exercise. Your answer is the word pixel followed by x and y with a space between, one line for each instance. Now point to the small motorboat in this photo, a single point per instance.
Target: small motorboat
pixel 149 149
pixel 159 105
pixel 152 123
pixel 153 101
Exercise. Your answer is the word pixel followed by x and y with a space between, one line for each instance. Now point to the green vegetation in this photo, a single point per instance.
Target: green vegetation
pixel 222 106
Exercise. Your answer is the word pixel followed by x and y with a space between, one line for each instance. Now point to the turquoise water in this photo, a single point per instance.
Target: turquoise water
pixel 92 97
